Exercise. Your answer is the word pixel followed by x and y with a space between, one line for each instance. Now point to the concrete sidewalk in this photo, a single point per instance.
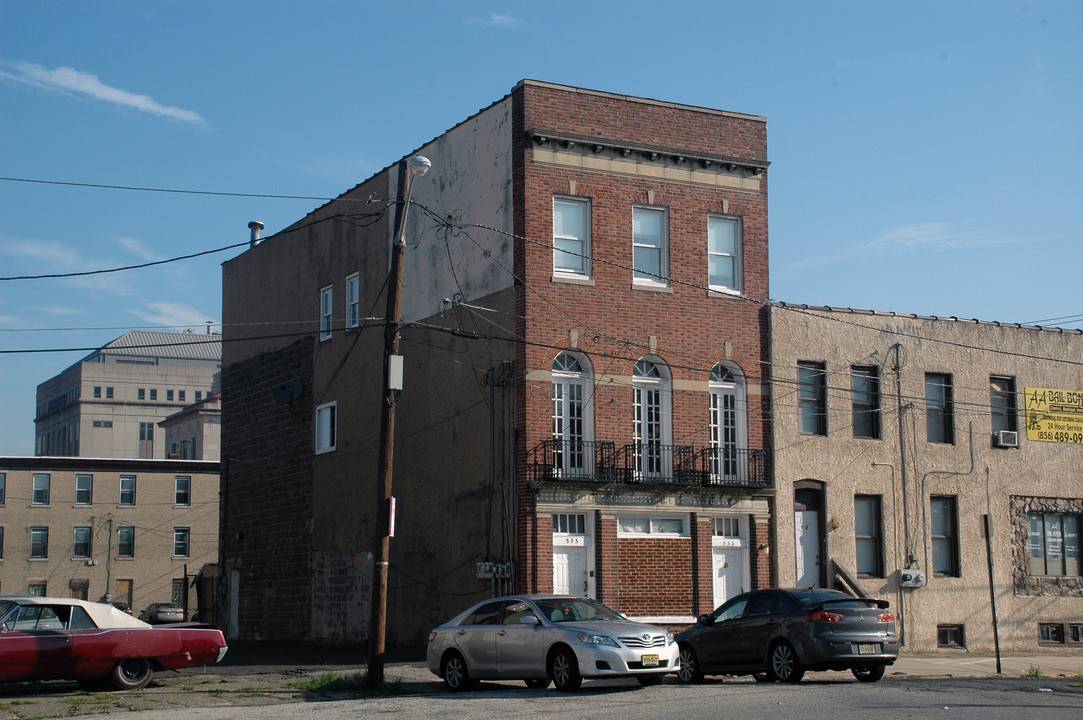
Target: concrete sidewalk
pixel 972 665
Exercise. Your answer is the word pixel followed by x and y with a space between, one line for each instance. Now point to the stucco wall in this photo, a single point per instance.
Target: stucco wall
pixel 983 478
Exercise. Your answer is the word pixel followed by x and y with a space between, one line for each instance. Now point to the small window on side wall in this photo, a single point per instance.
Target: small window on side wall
pixel 327 310
pixel 950 636
pixel 326 427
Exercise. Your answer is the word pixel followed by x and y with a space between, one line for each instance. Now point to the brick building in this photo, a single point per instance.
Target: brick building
pixel 582 408
pixel 934 461
pixel 121 530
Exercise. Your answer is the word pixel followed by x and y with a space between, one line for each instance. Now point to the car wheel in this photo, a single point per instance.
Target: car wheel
pixel 868 673
pixel 454 672
pixel 651 680
pixel 784 664
pixel 131 674
pixel 564 669
pixel 689 672
pixel 538 683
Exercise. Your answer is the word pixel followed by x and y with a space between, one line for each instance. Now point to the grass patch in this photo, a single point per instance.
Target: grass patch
pixel 351 684
pixel 1034 672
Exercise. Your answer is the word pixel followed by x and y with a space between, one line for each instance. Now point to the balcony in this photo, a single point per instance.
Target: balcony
pixel 649 464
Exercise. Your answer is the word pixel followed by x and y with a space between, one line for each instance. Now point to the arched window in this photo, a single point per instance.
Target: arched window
pixel 572 421
pixel 728 425
pixel 651 399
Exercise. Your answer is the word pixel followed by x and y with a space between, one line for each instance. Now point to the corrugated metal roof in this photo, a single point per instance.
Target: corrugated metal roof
pixel 184 346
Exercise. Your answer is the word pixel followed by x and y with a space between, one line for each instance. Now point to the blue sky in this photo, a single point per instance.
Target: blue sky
pixel 926 156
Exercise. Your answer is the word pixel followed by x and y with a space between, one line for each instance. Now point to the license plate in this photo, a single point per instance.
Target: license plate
pixel 866 649
pixel 650 661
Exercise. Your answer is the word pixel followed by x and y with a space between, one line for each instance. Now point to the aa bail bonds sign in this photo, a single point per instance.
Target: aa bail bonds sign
pixel 1055 415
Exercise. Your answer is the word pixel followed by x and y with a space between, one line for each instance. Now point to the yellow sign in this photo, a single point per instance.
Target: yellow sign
pixel 1055 415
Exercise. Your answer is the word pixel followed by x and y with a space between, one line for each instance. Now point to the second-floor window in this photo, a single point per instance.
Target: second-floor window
pixel 326 427
pixel 3 488
pixel 39 542
pixel 724 254
pixel 353 301
pixel 84 489
pixel 868 535
pixel 811 398
pixel 865 392
pixel 1002 402
pixel 571 237
pixel 327 312
pixel 944 525
pixel 727 423
pixel 81 542
pixel 939 411
pixel 650 418
pixel 571 385
pixel 126 542
pixel 41 489
pixel 650 246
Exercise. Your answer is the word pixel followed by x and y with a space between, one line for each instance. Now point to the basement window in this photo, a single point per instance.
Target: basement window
pixel 1050 633
pixel 950 636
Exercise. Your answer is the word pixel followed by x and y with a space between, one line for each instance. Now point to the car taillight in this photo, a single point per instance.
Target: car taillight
pixel 886 617
pixel 825 616
pixel 432 636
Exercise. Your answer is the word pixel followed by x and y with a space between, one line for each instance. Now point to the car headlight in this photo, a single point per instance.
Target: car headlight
pixel 669 639
pixel 598 640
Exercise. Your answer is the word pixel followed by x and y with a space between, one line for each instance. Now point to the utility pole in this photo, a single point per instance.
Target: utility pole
pixel 408 170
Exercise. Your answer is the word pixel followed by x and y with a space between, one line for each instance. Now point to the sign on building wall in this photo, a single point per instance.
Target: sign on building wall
pixel 1054 415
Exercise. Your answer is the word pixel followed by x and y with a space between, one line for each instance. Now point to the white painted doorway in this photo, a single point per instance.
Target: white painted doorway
pixel 570 571
pixel 807 540
pixel 728 566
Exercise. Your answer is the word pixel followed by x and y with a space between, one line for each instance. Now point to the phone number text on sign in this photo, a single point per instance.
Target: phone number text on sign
pixel 1054 415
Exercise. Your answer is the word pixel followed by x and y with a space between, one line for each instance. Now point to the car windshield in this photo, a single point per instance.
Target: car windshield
pixel 575 609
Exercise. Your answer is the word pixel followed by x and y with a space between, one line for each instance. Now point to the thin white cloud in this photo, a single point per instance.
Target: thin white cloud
pixel 61 311
pixel 87 84
pixel 496 20
pixel 168 314
pixel 138 248
pixel 919 238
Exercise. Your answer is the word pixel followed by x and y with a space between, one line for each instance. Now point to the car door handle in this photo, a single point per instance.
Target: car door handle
pixel 501 633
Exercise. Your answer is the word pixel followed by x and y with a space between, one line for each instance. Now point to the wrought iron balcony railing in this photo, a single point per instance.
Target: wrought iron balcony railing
pixel 650 463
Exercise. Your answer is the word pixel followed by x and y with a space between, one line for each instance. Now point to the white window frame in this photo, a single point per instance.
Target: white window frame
pixel 182 536
pixel 177 490
pixel 720 256
pixel 353 300
pixel 88 490
pixel 652 462
pixel 130 531
pixel 76 532
pixel 727 385
pixel 653 525
pixel 572 392
pixel 42 483
pixel 327 312
pixel 326 437
pixel 41 544
pixel 130 492
pixel 563 242
pixel 640 277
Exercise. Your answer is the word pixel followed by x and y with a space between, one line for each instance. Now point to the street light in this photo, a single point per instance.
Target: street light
pixel 408 170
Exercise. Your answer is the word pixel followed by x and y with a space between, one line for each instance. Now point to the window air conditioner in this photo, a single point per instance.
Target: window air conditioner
pixel 1006 438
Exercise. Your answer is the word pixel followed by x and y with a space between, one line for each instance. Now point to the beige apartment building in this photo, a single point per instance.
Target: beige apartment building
pixel 934 462
pixel 195 433
pixel 115 530
pixel 109 403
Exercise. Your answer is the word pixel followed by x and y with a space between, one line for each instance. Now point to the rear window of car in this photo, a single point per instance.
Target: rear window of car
pixel 837 599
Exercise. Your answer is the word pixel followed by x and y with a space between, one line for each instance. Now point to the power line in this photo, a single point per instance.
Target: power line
pixel 165 190
pixel 126 267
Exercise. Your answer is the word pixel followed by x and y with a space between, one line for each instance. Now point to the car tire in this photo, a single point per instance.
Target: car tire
pixel 785 666
pixel 453 670
pixel 538 683
pixel 689 671
pixel 131 674
pixel 564 669
pixel 868 673
pixel 651 680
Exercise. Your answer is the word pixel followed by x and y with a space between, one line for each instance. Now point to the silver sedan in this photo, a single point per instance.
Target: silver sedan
pixel 548 638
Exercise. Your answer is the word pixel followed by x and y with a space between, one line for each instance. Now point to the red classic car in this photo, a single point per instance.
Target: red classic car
pixel 66 639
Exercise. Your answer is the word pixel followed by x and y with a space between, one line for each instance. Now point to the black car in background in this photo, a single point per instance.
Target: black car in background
pixel 779 634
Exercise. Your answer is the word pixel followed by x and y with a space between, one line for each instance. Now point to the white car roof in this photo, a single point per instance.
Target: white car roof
pixel 103 614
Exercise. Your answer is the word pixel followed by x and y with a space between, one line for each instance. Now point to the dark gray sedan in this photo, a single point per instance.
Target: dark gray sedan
pixel 779 634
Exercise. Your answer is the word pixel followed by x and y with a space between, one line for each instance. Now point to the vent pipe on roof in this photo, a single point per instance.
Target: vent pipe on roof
pixel 255 226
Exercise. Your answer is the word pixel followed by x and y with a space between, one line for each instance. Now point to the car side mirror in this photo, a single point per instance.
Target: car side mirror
pixel 530 620
pixel 704 620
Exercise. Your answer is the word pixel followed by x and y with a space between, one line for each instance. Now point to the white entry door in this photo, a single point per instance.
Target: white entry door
pixel 807 536
pixel 570 571
pixel 729 572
